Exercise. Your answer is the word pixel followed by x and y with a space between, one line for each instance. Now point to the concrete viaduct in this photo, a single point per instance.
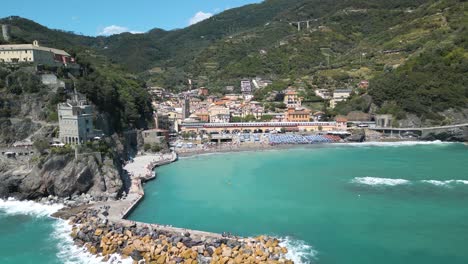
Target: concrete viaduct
pixel 420 131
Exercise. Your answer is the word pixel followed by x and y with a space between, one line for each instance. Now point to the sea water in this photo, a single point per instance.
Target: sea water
pixel 371 203
pixel 361 203
pixel 29 235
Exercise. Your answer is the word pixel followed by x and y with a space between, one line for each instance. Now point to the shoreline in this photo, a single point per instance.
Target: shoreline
pixel 256 148
pixel 94 218
pixel 102 228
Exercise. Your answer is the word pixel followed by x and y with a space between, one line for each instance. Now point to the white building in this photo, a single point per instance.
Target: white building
pixel 323 93
pixel 246 87
pixel 292 99
pixel 340 95
pixel 219 114
pixel 75 122
pixel 33 53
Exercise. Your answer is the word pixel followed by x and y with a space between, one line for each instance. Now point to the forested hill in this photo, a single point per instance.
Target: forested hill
pixel 413 52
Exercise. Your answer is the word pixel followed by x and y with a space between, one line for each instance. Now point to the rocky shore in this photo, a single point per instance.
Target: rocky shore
pixel 145 243
pixel 101 228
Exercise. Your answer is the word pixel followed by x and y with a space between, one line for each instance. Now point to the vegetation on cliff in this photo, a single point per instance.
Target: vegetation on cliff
pixel 412 48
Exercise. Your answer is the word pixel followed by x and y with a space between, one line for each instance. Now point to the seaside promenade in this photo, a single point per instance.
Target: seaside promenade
pixel 140 170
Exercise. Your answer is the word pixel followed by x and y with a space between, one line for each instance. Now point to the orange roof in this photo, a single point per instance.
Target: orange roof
pixel 304 112
pixel 220 103
pixel 341 119
pixel 291 92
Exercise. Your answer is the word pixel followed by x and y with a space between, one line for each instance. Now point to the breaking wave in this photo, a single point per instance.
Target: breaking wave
pixel 398 144
pixel 298 251
pixel 374 181
pixel 69 253
pixel 15 207
pixel 379 181
pixel 448 183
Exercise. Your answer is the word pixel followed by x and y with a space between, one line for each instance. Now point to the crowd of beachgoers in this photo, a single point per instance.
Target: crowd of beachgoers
pixel 246 141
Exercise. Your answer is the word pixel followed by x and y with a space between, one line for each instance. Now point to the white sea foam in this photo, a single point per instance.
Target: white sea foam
pixel 379 181
pixel 397 144
pixel 437 183
pixel 448 183
pixel 298 251
pixel 69 253
pixel 15 207
pixel 394 182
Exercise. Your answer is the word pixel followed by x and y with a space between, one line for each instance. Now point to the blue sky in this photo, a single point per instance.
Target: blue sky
pixel 105 17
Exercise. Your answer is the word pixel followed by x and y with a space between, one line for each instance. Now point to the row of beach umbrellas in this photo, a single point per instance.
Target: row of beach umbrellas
pixel 276 139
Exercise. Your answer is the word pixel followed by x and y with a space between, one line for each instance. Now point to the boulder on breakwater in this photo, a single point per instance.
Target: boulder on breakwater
pixel 148 244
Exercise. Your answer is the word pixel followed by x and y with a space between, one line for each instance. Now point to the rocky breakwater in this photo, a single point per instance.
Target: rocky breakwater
pixel 145 243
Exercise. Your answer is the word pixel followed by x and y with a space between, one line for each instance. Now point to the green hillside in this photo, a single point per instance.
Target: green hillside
pixel 413 52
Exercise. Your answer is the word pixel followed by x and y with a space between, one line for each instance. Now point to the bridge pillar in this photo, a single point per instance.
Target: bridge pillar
pixel 298 26
pixel 308 23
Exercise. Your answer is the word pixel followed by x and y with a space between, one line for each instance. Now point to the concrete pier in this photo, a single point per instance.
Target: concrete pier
pixel 140 171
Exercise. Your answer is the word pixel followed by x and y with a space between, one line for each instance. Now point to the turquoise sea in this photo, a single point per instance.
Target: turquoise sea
pixel 396 203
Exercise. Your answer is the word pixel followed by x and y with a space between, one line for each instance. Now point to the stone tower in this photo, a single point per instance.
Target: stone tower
pixel 6 32
pixel 186 107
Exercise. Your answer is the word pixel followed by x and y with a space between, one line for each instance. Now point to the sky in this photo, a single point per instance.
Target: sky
pixel 107 17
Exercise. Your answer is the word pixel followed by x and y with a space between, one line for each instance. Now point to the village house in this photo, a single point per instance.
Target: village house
pixel 292 99
pixel 340 95
pixel 323 93
pixel 203 91
pixel 293 115
pixel 203 116
pixel 246 87
pixel 341 122
pixel 33 53
pixel 219 114
pixel 364 84
pixel 229 88
pixel 155 136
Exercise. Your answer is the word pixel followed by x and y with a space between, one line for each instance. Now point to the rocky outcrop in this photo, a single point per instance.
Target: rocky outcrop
pixel 62 176
pixel 452 135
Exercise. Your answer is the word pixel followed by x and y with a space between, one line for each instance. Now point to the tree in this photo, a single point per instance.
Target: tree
pixel 156 148
pixel 147 147
pixel 41 145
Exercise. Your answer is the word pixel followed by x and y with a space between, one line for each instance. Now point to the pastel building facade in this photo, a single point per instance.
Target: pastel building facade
pixel 33 53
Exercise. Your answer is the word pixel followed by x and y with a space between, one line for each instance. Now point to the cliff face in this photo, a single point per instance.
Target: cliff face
pixel 63 176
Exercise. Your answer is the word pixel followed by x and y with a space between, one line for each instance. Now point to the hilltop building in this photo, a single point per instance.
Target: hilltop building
pixel 291 99
pixel 33 53
pixel 323 93
pixel 246 87
pixel 364 84
pixel 340 95
pixel 75 121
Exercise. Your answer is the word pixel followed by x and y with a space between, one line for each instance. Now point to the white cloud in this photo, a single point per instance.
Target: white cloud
pixel 114 29
pixel 200 16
